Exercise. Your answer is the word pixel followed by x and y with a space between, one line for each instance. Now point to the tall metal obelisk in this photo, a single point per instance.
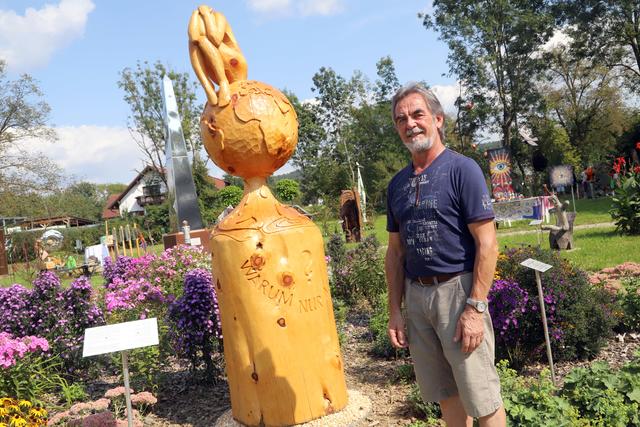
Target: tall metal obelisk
pixel 182 190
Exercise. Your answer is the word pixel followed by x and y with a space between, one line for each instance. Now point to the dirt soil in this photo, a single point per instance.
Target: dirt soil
pixel 184 403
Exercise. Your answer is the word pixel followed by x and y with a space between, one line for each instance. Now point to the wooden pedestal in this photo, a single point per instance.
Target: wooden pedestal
pixel 172 239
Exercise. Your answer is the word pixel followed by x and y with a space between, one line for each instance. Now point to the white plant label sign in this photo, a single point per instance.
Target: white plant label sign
pixel 536 265
pixel 120 337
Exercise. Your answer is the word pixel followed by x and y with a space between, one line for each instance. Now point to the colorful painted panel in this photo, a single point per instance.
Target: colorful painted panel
pixel 500 169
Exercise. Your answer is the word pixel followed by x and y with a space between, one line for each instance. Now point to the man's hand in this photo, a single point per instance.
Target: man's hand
pixel 396 331
pixel 470 329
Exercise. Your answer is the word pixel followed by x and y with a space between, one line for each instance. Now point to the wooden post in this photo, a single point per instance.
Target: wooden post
pixel 115 242
pixel 544 326
pixel 135 232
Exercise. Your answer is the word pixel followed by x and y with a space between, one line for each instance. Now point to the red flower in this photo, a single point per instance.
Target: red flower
pixel 638 145
pixel 621 161
pixel 616 167
pixel 636 169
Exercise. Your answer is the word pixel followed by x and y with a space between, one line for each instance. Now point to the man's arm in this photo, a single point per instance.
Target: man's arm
pixel 394 269
pixel 470 330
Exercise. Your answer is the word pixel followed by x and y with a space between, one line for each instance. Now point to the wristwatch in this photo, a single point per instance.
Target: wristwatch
pixel 480 306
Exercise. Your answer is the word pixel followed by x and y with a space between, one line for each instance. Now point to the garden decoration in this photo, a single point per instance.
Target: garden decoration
pixel 540 267
pixel 351 215
pixel 281 347
pixel 183 200
pixel 561 234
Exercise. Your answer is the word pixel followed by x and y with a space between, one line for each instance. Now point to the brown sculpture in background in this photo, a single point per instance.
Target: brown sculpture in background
pixel 351 215
pixel 561 234
pixel 280 342
pixel 215 54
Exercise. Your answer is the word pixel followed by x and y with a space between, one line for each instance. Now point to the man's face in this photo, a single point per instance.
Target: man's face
pixel 415 124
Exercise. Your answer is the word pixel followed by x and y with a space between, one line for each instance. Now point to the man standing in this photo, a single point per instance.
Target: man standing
pixel 441 258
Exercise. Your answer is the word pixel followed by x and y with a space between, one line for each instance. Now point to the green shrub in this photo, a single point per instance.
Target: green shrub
pixel 419 408
pixel 625 203
pixel 630 301
pixel 600 396
pixel 534 401
pixel 361 274
pixel 336 250
pixel 580 315
pixel 378 325
pixel 287 190
pixel 405 373
pixel 340 310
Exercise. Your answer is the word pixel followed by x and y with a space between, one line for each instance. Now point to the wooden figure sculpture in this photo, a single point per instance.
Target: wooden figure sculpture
pixel 280 342
pixel 561 234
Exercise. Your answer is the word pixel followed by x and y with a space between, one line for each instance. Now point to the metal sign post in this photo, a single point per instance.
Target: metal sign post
pixel 121 337
pixel 127 388
pixel 540 267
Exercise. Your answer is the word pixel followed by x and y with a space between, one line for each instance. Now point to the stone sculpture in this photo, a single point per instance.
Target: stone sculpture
pixel 280 342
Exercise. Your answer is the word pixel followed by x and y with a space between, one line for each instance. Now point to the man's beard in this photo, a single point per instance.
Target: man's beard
pixel 420 145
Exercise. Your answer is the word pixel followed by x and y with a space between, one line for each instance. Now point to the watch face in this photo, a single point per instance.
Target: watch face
pixel 481 306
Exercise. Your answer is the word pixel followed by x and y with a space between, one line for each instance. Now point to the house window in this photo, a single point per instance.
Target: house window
pixel 151 190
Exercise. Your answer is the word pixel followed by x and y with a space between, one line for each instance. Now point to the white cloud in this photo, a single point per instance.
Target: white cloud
pixel 320 7
pixel 97 154
pixel 270 6
pixel 447 96
pixel 298 7
pixel 29 41
pixel 559 40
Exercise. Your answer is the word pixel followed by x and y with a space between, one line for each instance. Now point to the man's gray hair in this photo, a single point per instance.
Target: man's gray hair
pixel 429 98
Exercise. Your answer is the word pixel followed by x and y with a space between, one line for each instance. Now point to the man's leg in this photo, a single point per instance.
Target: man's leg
pixel 497 419
pixel 453 412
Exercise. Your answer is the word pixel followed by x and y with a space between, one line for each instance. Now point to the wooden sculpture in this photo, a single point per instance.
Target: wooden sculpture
pixel 281 347
pixel 561 234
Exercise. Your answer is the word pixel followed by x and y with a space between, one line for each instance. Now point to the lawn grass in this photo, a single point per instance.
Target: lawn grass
pixel 595 248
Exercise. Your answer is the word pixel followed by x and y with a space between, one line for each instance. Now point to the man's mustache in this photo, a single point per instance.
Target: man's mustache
pixel 414 131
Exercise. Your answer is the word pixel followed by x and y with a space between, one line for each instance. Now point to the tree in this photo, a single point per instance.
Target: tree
pixel 607 30
pixel 143 92
pixel 228 196
pixel 495 53
pixel 387 83
pixel 585 98
pixel 336 97
pixel 23 116
pixel 205 190
pixel 287 190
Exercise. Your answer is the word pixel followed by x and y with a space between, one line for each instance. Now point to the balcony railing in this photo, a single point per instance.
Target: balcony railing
pixel 151 200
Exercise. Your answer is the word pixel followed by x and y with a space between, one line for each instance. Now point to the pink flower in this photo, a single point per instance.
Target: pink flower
pixel 79 407
pixel 115 392
pixel 57 418
pixel 100 404
pixel 143 398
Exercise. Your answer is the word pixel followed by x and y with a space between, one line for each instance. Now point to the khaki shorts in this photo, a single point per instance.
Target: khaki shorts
pixel 442 369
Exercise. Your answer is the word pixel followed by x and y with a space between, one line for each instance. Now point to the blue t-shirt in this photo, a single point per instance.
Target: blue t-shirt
pixel 431 212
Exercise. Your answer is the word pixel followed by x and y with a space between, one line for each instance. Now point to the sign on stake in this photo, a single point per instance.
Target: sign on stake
pixel 541 267
pixel 121 337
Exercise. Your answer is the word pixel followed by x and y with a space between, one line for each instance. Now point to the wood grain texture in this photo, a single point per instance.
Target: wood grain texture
pixel 280 342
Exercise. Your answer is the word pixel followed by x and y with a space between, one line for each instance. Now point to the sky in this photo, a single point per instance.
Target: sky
pixel 75 49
